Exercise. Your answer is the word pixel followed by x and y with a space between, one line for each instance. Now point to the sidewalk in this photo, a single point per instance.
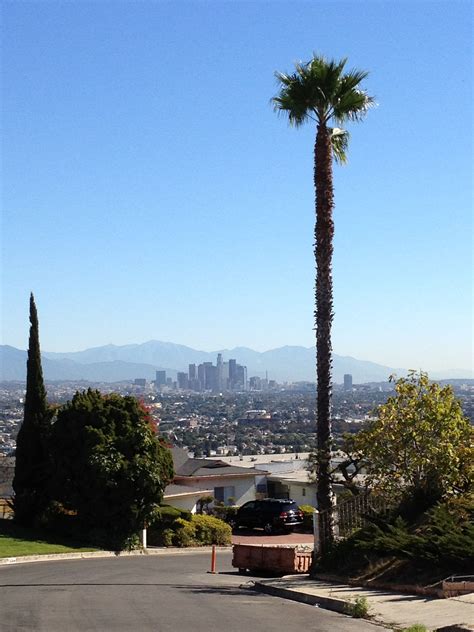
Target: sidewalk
pixel 390 609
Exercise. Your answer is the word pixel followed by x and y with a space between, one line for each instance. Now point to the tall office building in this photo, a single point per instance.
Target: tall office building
pixel 347 381
pixel 192 371
pixel 241 378
pixel 219 373
pixel 182 379
pixel 201 373
pixel 160 378
pixel 232 371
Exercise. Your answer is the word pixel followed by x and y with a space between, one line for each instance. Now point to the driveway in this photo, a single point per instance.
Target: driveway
pixel 162 593
pixel 258 536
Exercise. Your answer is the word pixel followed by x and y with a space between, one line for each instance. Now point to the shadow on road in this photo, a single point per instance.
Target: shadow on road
pixel 193 588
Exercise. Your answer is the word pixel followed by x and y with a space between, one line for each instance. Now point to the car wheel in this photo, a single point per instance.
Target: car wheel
pixel 268 528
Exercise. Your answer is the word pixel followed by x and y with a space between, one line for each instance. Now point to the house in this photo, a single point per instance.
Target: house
pixel 288 476
pixel 225 482
pixel 295 484
pixel 185 496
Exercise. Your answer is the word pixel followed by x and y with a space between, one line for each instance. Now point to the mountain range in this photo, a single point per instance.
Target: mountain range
pixel 112 363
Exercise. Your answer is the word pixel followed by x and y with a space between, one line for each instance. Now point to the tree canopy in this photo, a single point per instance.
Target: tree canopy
pixel 32 464
pixel 418 445
pixel 322 90
pixel 111 469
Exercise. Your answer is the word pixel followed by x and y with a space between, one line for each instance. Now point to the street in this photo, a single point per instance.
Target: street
pixel 163 593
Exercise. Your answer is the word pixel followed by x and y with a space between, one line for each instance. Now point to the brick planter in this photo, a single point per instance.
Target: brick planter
pixel 279 559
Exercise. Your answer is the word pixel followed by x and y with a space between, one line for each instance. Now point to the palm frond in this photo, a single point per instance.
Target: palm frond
pixel 320 89
pixel 292 99
pixel 352 105
pixel 340 144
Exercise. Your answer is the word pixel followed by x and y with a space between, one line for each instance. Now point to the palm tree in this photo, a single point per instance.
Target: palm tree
pixel 321 91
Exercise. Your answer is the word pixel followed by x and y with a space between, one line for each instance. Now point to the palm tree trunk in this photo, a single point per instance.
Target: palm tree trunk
pixel 324 232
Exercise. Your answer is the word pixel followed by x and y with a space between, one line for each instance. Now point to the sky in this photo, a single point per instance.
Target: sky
pixel 149 191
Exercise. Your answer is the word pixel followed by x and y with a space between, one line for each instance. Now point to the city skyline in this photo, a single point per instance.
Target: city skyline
pixel 112 363
pixel 136 209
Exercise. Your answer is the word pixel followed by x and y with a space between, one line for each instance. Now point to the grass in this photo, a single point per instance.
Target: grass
pixel 18 541
pixel 358 608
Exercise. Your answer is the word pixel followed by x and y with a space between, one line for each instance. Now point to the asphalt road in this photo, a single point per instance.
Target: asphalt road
pixel 164 593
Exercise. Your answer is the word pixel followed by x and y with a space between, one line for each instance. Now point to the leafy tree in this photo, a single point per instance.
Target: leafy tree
pixel 418 448
pixel 32 465
pixel 321 91
pixel 111 469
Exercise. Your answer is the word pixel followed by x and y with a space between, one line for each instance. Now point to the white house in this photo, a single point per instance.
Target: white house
pixel 225 482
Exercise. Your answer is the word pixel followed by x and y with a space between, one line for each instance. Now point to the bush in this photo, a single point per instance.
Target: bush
pixel 184 534
pixel 225 513
pixel 166 515
pixel 359 608
pixel 164 525
pixel 308 512
pixel 201 531
pixel 442 538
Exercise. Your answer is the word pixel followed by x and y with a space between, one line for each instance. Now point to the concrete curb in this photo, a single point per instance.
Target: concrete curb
pixel 52 557
pixel 337 605
pixel 328 603
pixel 456 628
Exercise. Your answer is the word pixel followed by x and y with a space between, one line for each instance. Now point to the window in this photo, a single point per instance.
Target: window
pixel 303 491
pixel 222 494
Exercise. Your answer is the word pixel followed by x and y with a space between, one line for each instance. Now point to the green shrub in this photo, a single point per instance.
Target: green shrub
pixel 442 538
pixel 184 534
pixel 225 513
pixel 163 526
pixel 359 608
pixel 211 530
pixel 308 512
pixel 166 515
pixel 201 531
pixel 167 537
pixel 418 627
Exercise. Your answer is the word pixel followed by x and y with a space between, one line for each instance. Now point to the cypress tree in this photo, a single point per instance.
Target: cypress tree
pixel 31 482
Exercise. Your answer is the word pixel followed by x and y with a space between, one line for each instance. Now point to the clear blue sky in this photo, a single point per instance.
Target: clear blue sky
pixel 149 191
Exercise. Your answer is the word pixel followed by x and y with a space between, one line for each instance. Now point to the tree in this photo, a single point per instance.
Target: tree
pixel 111 469
pixel 321 91
pixel 419 448
pixel 30 483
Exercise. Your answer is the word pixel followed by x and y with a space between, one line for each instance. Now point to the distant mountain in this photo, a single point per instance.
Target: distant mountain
pixel 112 363
pixel 13 367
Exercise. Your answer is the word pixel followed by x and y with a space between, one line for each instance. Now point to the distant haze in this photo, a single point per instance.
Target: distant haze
pixel 111 363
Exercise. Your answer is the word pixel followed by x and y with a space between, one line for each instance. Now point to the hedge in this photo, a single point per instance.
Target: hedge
pixel 201 531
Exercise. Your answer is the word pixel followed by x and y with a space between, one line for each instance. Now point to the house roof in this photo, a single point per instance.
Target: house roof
pixel 203 467
pixel 299 476
pixel 186 466
pixel 174 490
pixel 180 456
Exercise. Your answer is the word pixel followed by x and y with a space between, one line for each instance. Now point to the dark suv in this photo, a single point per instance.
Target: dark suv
pixel 271 514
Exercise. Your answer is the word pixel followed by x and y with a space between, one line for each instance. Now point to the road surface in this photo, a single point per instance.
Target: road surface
pixel 162 593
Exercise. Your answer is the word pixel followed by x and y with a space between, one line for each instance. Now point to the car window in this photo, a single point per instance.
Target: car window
pixel 249 505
